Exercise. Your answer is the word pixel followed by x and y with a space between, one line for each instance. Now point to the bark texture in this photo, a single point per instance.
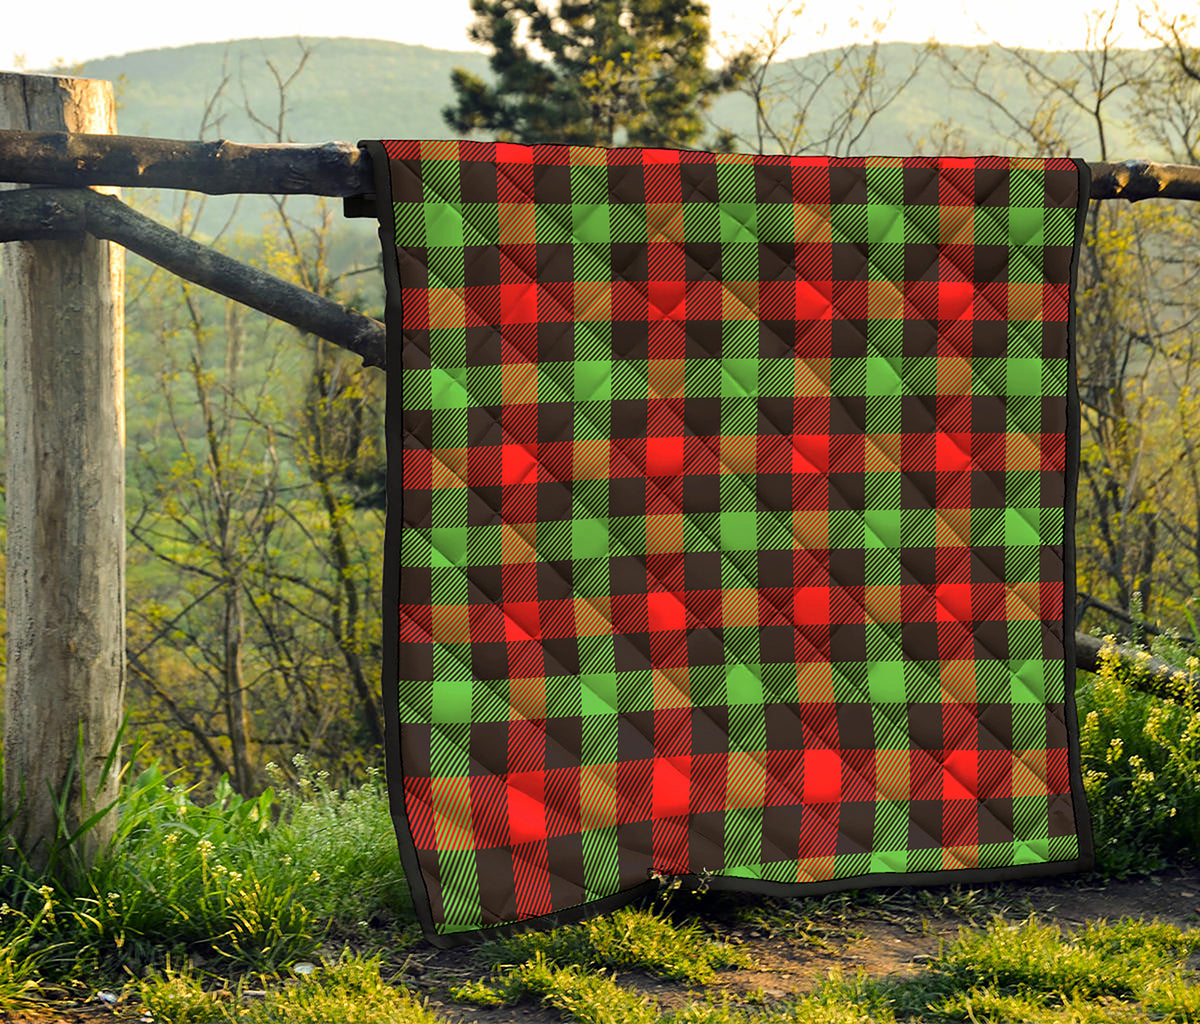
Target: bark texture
pixel 65 436
pixel 52 212
pixel 218 167
pixel 342 169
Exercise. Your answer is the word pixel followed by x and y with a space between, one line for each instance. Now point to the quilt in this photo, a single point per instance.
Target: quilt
pixel 730 523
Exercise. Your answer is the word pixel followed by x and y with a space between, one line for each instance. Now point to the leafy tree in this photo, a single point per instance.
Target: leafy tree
pixel 615 72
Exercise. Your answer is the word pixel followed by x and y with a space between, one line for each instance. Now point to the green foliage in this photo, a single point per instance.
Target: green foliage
pixel 348 991
pixel 1033 972
pixel 996 1008
pixel 1136 526
pixel 197 874
pixel 1172 998
pixel 229 519
pixel 347 837
pixel 831 1004
pixel 179 996
pixel 619 71
pixel 255 883
pixel 629 938
pixel 1141 768
pixel 341 414
pixel 586 997
pixel 1035 956
pixel 26 943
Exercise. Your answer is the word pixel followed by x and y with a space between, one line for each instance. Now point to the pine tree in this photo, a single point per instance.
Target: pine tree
pixel 615 72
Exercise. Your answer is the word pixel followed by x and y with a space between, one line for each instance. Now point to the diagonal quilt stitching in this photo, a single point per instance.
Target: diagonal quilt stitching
pixel 739 566
pixel 745 575
pixel 625 550
pixel 736 383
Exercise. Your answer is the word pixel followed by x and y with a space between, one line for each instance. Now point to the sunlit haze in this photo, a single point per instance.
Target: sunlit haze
pixel 76 32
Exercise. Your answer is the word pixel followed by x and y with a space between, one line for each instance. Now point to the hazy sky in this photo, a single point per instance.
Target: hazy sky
pixel 76 31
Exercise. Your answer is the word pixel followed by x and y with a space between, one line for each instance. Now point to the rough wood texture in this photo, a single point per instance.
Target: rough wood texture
pixel 218 168
pixel 1154 675
pixel 65 435
pixel 342 169
pixel 52 212
pixel 1136 180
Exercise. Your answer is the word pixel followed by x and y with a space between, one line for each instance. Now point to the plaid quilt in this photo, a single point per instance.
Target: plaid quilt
pixel 729 529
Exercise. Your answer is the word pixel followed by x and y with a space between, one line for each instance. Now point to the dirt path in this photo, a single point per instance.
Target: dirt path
pixel 890 939
pixel 887 933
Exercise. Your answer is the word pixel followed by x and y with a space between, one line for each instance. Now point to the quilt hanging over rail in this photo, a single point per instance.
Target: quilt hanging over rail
pixel 730 523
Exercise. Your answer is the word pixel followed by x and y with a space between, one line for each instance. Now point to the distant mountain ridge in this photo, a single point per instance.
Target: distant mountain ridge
pixel 369 88
pixel 352 89
pixel 355 89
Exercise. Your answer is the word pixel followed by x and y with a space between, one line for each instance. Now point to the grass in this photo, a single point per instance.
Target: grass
pixel 24 949
pixel 1027 971
pixel 631 938
pixel 203 900
pixel 348 991
pixel 1103 960
pixel 1130 970
pixel 345 836
pixel 582 995
pixel 253 883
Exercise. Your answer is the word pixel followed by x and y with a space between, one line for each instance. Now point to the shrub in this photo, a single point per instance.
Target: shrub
pixel 1141 767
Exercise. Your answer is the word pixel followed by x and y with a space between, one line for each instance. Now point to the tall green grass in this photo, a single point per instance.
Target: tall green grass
pixel 251 882
pixel 346 836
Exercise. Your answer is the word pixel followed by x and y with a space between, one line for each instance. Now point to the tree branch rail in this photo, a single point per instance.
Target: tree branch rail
pixel 221 167
pixel 37 213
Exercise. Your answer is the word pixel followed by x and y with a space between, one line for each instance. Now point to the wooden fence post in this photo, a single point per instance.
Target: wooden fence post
pixel 64 396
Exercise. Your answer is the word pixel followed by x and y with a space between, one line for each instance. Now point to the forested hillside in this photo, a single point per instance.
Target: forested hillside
pixel 368 88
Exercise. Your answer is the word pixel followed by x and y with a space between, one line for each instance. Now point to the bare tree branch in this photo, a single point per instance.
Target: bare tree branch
pixel 1146 673
pixel 1117 613
pixel 47 213
pixel 1135 180
pixel 218 167
pixel 342 169
pixel 187 721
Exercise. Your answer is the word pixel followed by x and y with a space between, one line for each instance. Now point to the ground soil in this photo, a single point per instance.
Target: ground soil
pixel 883 941
pixel 794 950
